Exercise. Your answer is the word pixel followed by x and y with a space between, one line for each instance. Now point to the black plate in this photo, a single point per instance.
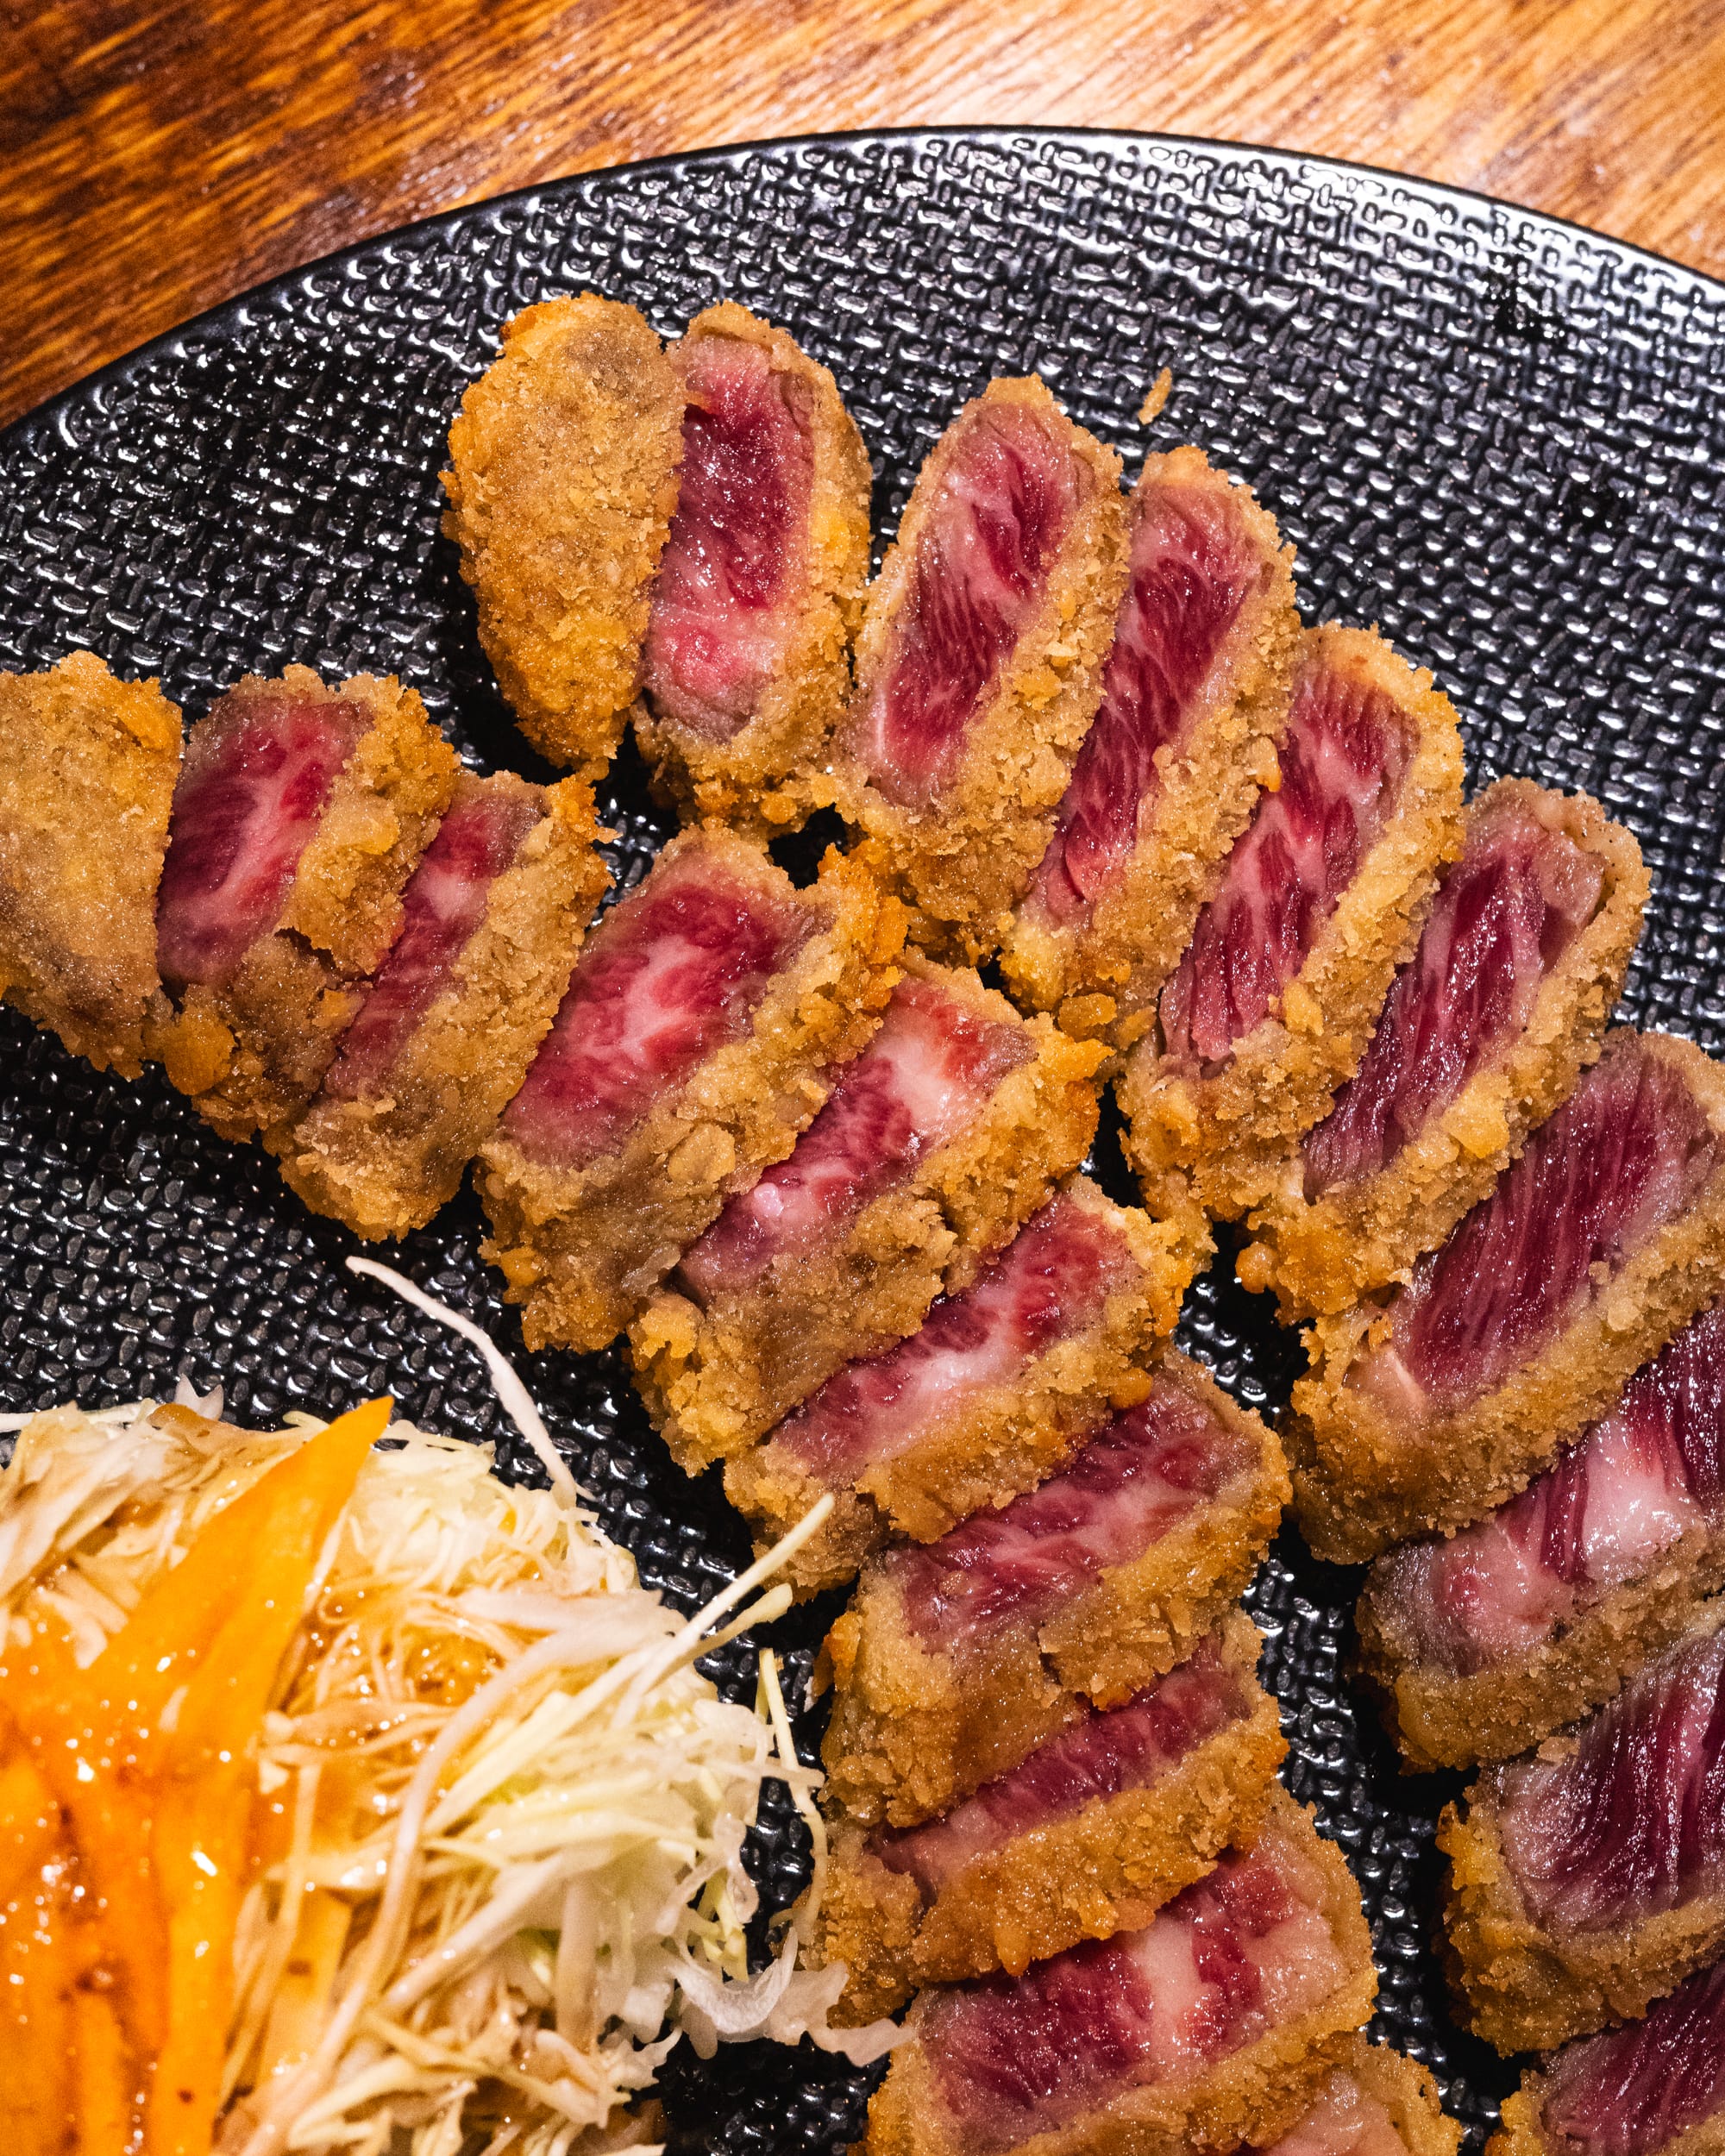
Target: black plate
pixel 1500 438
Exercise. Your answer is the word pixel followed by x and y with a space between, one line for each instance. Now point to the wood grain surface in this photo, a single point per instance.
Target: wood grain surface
pixel 158 155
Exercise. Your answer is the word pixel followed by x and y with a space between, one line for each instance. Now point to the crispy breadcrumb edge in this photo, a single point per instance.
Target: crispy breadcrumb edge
pixel 1104 975
pixel 1363 1481
pixel 1322 1256
pixel 561 567
pixel 1439 1720
pixel 1527 1988
pixel 90 769
pixel 1002 1441
pixel 1407 2092
pixel 581 1250
pixel 742 781
pixel 1253 2095
pixel 911 1732
pixel 964 860
pixel 1227 1134
pixel 1108 1867
pixel 717 1380
pixel 250 1054
pixel 385 1164
pixel 1523 2131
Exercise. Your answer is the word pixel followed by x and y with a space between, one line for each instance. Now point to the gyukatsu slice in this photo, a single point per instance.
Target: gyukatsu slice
pixel 1589 1878
pixel 701 1031
pixel 1592 1249
pixel 1375 2103
pixel 1091 1835
pixel 759 591
pixel 1481 1646
pixel 1655 2087
pixel 1322 899
pixel 995 1390
pixel 1195 696
pixel 1219 2021
pixel 1485 1031
pixel 562 480
pixel 938 1141
pixel 958 1658
pixel 492 919
pixel 299 813
pixel 87 769
pixel 979 665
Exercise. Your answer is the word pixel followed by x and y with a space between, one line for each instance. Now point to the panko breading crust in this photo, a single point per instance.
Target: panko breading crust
pixel 252 1054
pixel 1443 1721
pixel 717 1380
pixel 1523 2131
pixel 1107 1868
pixel 562 480
pixel 1007 1440
pixel 87 767
pixel 1408 2093
pixel 582 1248
pixel 1360 1237
pixel 964 861
pixel 1525 1988
pixel 913 1732
pixel 1251 2095
pixel 1228 1133
pixel 1103 978
pixel 1362 1480
pixel 385 1165
pixel 741 781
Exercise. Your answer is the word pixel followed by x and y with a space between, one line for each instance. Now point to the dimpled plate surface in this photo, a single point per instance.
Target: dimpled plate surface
pixel 1500 438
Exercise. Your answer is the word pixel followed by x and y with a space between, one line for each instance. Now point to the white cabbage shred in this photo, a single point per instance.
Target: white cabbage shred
pixel 508 1870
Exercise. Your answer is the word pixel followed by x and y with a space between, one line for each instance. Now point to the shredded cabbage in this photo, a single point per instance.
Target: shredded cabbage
pixel 501 1813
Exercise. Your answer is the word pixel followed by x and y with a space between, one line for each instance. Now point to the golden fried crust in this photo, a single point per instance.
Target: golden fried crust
pixel 87 767
pixel 964 862
pixel 1524 2132
pixel 914 1732
pixel 1362 1480
pixel 1103 975
pixel 582 1248
pixel 252 1053
pixel 1527 1989
pixel 1004 1441
pixel 740 781
pixel 1360 1237
pixel 1408 2093
pixel 1107 1868
pixel 385 1165
pixel 1443 1721
pixel 716 1380
pixel 1251 2096
pixel 562 481
pixel 1228 1133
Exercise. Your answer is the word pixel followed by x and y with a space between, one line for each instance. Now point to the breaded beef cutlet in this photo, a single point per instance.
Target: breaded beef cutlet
pixel 87 769
pixel 562 480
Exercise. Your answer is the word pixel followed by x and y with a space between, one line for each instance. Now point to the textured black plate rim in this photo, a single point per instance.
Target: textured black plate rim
pixel 229 318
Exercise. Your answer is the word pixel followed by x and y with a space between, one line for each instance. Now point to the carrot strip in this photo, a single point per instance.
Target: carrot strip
pixel 103 2090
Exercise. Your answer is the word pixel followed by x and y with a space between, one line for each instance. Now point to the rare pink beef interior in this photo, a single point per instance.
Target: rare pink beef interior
pixel 1244 1951
pixel 1649 1473
pixel 1633 2090
pixel 443 908
pixel 1627 1152
pixel 1050 1283
pixel 1632 1821
pixel 1193 566
pixel 926 1075
pixel 1504 915
pixel 1009 491
pixel 727 599
pixel 672 975
pixel 255 780
pixel 1344 757
pixel 1140 1477
pixel 1103 1755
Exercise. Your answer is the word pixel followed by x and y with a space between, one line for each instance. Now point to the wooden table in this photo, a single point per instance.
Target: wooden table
pixel 157 155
